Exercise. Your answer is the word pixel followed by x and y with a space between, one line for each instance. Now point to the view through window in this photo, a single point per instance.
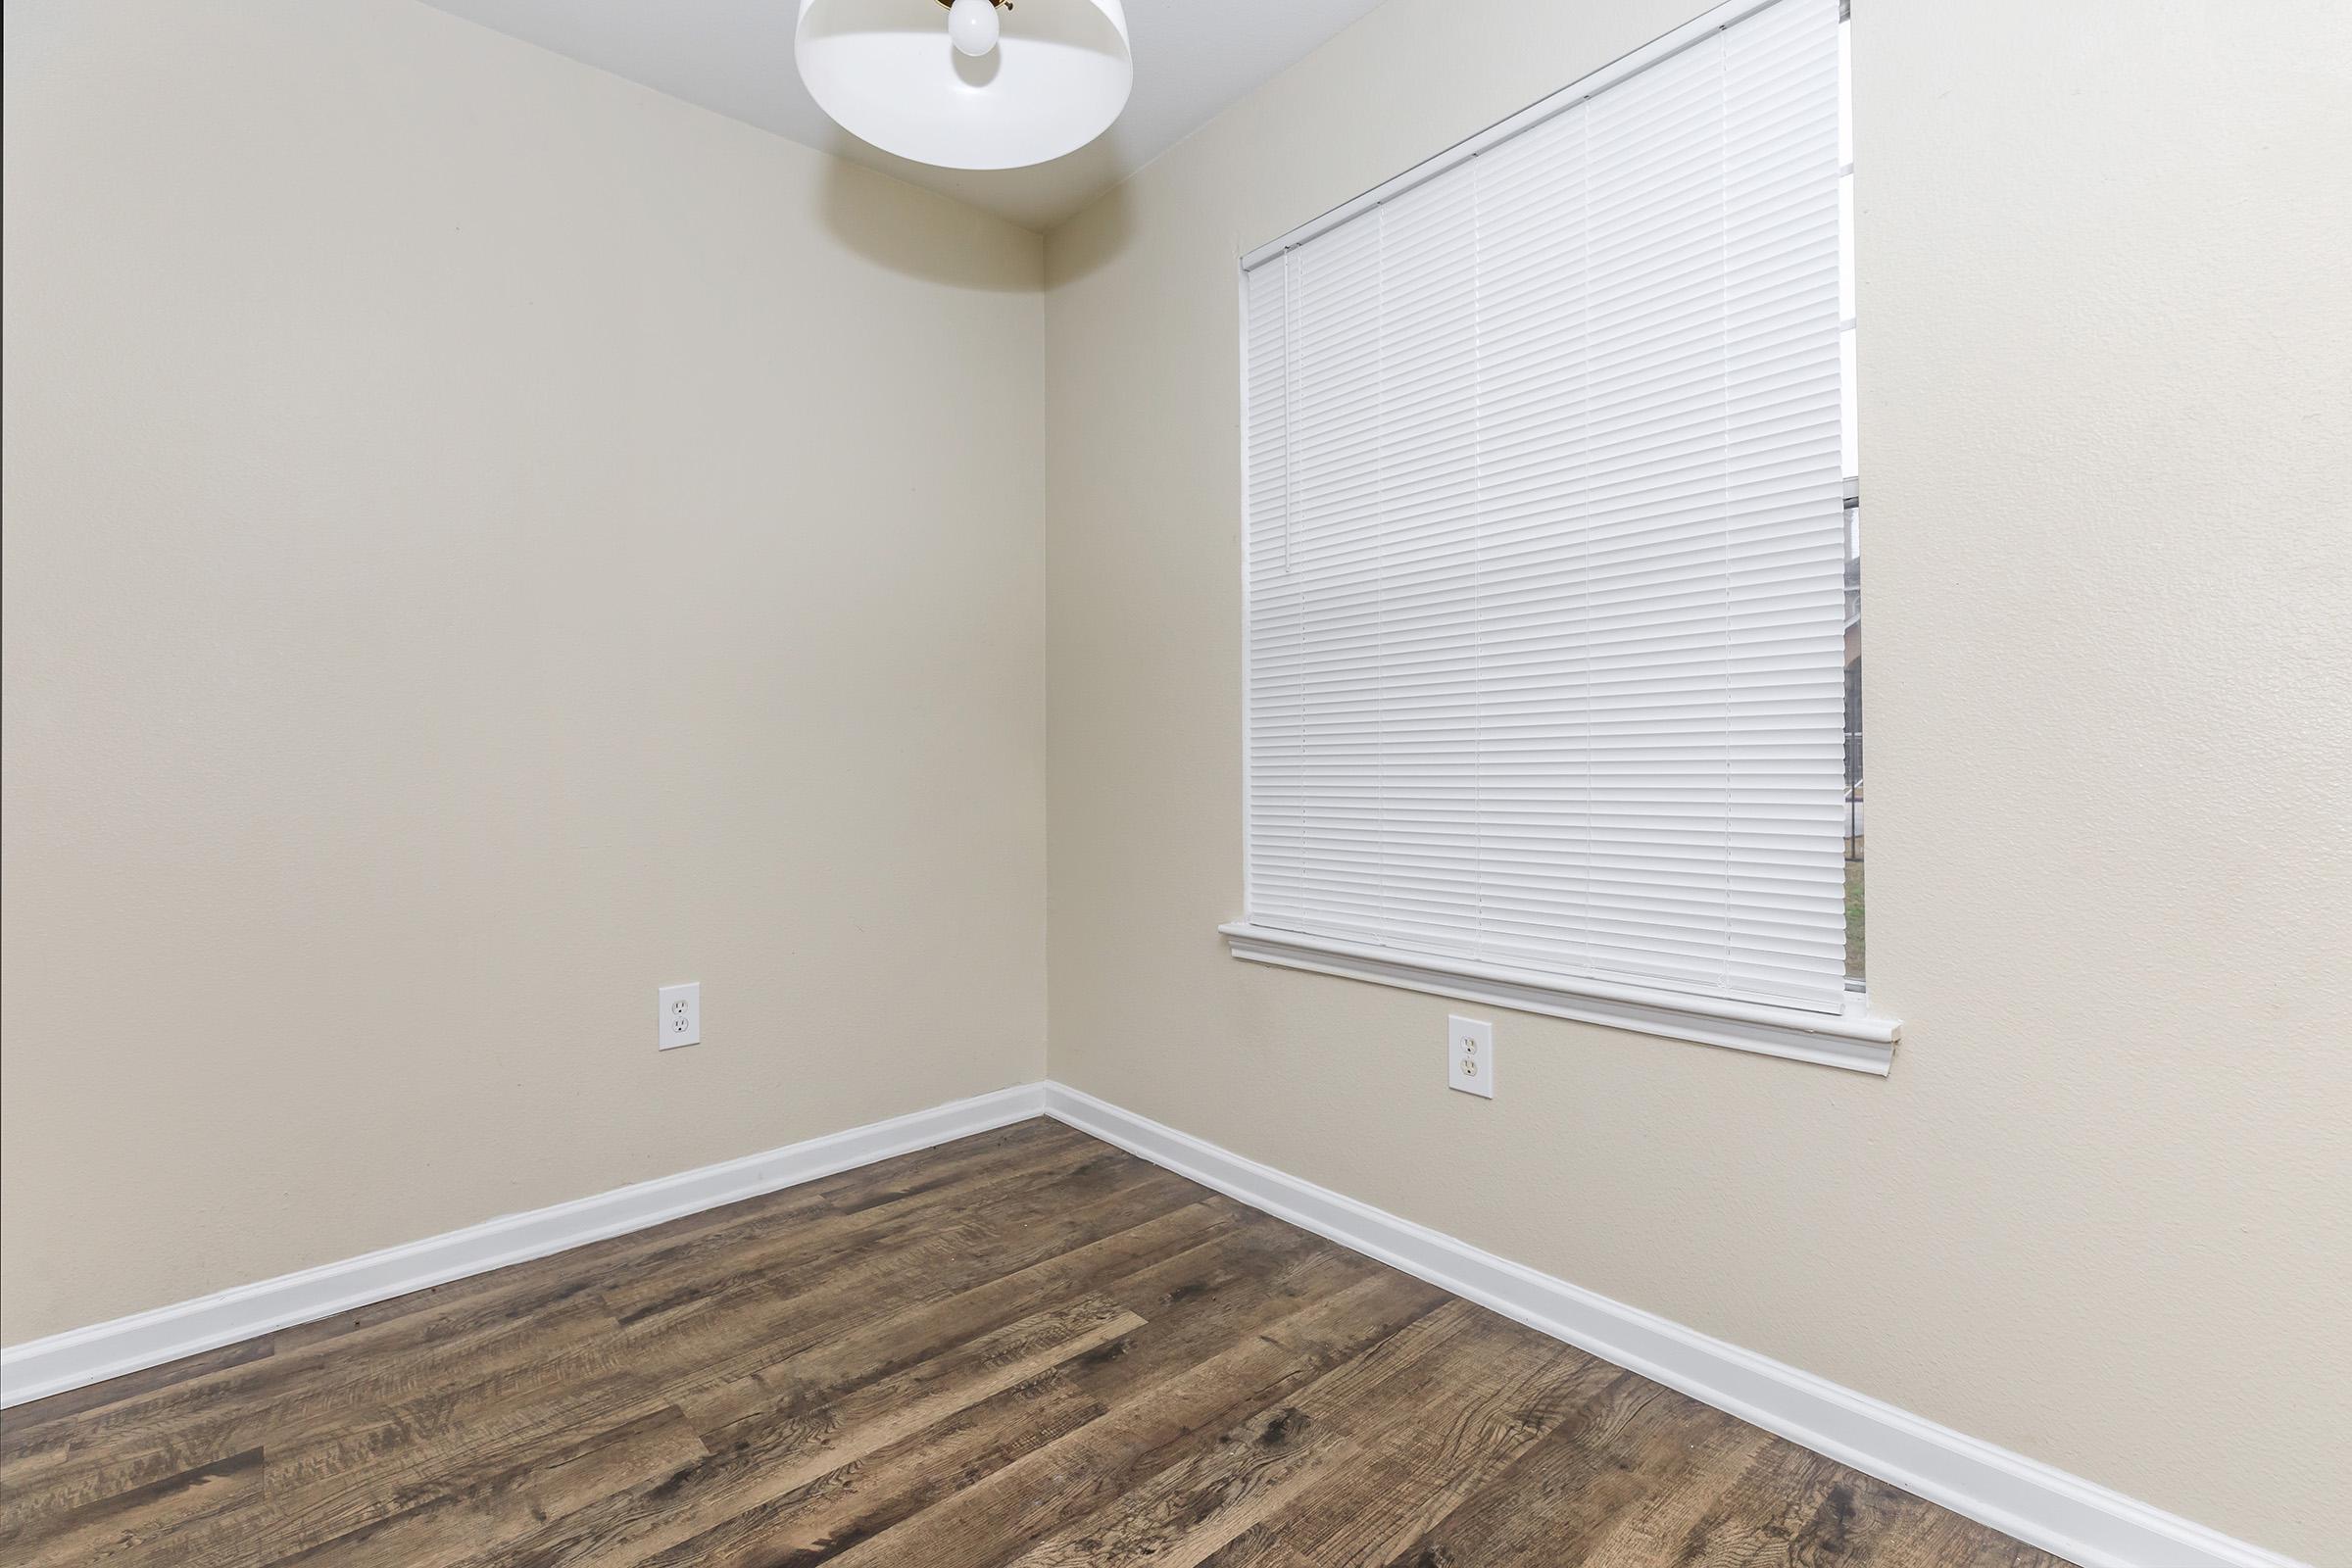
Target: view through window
pixel 1855 922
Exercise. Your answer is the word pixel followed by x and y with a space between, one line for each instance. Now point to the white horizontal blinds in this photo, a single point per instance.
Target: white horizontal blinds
pixel 1536 548
pixel 1314 647
pixel 1546 596
pixel 1275 807
pixel 1423 573
pixel 1786 494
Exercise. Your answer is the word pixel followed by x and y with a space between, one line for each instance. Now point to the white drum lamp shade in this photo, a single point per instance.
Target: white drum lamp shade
pixel 888 72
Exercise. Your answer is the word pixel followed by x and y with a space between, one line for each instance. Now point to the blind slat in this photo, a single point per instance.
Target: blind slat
pixel 1547 542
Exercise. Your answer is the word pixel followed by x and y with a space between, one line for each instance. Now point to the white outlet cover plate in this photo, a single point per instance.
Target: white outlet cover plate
pixel 681 1017
pixel 1470 1057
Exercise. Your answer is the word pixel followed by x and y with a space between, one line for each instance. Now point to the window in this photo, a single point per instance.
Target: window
pixel 1547 451
pixel 1850 444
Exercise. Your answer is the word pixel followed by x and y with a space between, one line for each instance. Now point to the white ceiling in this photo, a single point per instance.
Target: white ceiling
pixel 1191 59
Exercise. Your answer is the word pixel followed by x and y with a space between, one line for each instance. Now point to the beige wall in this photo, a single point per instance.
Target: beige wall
pixel 483 541
pixel 2099 1214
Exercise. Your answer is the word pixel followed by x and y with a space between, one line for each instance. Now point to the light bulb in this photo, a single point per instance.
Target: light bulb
pixel 972 25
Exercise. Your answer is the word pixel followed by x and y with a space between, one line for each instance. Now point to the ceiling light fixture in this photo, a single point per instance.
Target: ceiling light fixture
pixel 996 89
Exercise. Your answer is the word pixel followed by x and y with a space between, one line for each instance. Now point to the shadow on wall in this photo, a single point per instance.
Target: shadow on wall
pixel 1092 239
pixel 896 226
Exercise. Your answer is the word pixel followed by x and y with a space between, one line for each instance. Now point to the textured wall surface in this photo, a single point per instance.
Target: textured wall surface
pixel 2103 1211
pixel 483 541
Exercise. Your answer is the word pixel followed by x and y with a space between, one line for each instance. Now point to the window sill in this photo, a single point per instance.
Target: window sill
pixel 1854 1039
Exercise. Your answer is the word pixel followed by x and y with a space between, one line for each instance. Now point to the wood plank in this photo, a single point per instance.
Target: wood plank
pixel 1599 1476
pixel 449 1528
pixel 1794 1504
pixel 868 1495
pixel 1194 1507
pixel 768 1457
pixel 128 1523
pixel 1151 1423
pixel 1437 1413
pixel 1230 1282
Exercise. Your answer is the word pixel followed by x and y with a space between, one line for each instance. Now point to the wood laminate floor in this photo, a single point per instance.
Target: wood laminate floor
pixel 1026 1348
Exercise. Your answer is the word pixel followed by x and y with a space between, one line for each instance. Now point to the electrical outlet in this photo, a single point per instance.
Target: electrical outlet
pixel 1470 1057
pixel 681 1016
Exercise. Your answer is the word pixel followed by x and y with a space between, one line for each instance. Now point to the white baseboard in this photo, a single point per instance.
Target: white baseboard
pixel 41 1367
pixel 2045 1508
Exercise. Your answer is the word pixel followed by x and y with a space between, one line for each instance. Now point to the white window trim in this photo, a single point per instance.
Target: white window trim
pixel 1855 1039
